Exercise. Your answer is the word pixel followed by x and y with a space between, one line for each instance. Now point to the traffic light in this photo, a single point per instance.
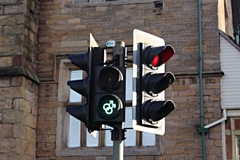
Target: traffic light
pixel 149 82
pixel 110 91
pixel 88 62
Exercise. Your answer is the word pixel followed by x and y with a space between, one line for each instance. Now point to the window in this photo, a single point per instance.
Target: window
pixel 233 137
pixel 84 144
pixel 238 147
pixel 74 132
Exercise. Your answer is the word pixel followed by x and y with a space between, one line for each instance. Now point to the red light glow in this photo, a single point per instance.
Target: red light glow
pixel 155 61
pixel 163 56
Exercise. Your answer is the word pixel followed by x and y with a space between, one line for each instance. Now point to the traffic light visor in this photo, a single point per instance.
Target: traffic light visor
pixel 166 54
pixel 156 83
pixel 158 55
pixel 80 86
pixel 157 110
pixel 163 111
pixel 163 83
pixel 80 60
pixel 78 112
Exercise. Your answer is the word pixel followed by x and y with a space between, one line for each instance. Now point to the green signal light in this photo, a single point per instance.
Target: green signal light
pixel 108 107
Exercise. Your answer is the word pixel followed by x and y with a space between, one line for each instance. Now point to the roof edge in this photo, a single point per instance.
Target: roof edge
pixel 229 39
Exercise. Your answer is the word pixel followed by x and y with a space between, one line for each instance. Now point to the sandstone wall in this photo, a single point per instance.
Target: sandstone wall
pixel 18 80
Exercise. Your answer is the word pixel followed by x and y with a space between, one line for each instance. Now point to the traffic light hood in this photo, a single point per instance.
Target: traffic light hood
pixel 79 86
pixel 80 60
pixel 156 56
pixel 157 110
pixel 78 112
pixel 155 83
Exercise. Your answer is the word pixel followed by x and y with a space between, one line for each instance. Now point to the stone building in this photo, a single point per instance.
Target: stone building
pixel 36 37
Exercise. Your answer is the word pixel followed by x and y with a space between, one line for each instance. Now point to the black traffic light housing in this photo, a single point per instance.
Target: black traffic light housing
pixel 149 105
pixel 153 82
pixel 110 90
pixel 88 62
pixel 104 87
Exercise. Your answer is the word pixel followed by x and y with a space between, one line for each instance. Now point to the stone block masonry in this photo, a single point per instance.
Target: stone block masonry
pixel 18 35
pixel 18 80
pixel 18 108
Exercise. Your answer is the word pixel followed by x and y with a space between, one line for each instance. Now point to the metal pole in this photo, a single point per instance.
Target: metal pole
pixel 118 134
pixel 118 150
pixel 201 129
pixel 118 145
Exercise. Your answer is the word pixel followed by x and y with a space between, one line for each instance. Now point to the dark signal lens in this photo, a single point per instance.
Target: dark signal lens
pixel 110 79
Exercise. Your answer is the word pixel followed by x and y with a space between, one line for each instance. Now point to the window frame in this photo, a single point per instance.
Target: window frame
pixel 237 147
pixel 235 133
pixel 65 67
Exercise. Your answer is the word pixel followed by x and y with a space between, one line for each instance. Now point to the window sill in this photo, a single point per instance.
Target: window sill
pixel 107 151
pixel 109 3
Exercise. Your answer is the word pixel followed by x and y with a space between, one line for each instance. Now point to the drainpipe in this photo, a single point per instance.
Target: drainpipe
pixel 201 130
pixel 222 120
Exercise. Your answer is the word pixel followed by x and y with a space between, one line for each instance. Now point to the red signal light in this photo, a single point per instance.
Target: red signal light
pixel 163 56
pixel 156 56
pixel 166 54
pixel 155 61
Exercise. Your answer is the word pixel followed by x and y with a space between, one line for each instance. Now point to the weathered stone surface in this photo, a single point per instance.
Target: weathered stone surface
pixel 5 103
pixel 10 50
pixel 7 20
pixel 21 104
pixel 4 82
pixel 31 134
pixel 29 120
pixel 5 61
pixel 1 10
pixel 7 2
pixel 17 29
pixel 18 82
pixel 7 40
pixel 15 9
pixel 3 156
pixel 6 130
pixel 11 116
pixel 19 131
pixel 11 92
pixel 9 145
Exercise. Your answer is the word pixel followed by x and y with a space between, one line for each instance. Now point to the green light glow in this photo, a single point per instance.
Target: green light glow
pixel 109 107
